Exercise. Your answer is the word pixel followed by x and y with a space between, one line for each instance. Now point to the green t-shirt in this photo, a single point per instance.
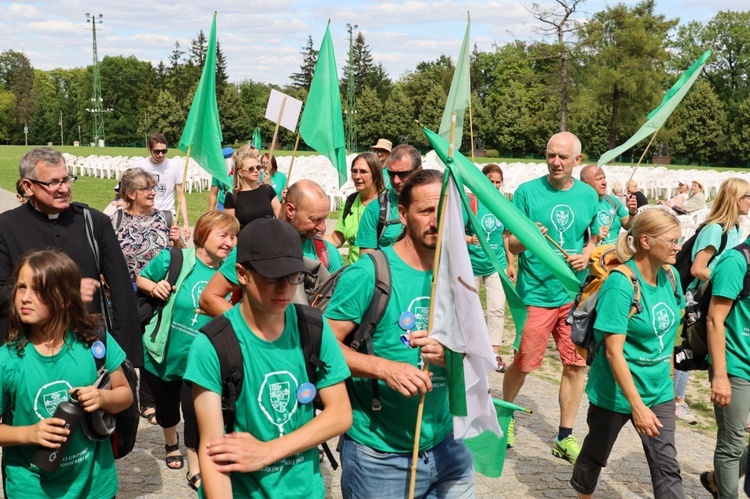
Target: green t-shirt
pixel 367 237
pixel 278 182
pixel 187 318
pixel 567 215
pixel 711 235
pixel 349 227
pixel 728 278
pixel 32 385
pixel 267 407
pixel 392 428
pixel 608 214
pixel 223 189
pixel 492 231
pixel 649 340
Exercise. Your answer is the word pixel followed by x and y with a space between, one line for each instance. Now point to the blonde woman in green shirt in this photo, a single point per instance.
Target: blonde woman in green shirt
pixel 367 176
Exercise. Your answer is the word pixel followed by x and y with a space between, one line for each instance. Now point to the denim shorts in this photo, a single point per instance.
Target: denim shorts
pixel 445 471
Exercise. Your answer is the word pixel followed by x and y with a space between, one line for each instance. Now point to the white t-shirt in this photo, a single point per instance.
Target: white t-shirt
pixel 168 174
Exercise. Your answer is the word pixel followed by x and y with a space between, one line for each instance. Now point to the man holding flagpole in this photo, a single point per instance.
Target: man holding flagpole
pixel 565 210
pixel 376 452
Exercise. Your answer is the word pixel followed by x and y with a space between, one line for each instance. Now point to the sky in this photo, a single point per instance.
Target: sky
pixel 262 40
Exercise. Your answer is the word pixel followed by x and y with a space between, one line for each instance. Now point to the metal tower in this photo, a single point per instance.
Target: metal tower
pixel 351 106
pixel 96 109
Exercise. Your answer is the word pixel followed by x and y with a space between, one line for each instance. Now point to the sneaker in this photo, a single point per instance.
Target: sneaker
pixel 683 413
pixel 707 480
pixel 511 434
pixel 501 366
pixel 567 449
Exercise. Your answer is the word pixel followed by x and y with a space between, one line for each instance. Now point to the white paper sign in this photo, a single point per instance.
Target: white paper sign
pixel 292 109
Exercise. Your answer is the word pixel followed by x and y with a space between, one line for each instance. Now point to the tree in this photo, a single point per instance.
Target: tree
pixel 728 69
pixel 625 55
pixel 17 75
pixel 362 66
pixel 699 126
pixel 127 84
pixel 166 116
pixel 307 68
pixel 369 117
pixel 235 126
pixel 398 118
pixel 741 133
pixel 559 23
pixel 197 51
pixel 7 119
pixel 222 77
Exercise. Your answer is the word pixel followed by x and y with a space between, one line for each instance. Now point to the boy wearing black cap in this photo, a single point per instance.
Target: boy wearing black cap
pixel 273 450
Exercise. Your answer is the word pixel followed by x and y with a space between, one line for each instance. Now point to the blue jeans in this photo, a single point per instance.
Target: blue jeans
pixel 445 471
pixel 680 383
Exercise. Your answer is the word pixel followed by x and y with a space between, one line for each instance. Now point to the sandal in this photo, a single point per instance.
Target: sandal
pixel 149 416
pixel 193 481
pixel 172 460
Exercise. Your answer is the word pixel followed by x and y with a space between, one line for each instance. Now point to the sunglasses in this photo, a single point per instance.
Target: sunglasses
pixel 251 169
pixel 159 151
pixel 401 175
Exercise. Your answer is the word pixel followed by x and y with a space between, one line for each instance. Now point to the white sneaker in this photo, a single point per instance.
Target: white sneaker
pixel 683 413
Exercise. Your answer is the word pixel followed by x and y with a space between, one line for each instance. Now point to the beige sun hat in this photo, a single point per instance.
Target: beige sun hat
pixel 383 144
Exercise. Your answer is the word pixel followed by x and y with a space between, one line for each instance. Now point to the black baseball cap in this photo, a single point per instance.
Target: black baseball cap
pixel 272 246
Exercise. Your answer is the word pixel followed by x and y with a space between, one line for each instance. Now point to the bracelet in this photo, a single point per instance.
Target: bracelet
pixel 152 290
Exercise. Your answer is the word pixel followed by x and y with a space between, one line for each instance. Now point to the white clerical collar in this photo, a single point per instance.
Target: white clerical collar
pixel 53 217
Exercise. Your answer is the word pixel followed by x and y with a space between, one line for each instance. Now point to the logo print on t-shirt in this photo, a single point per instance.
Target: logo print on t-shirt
pixel 562 219
pixel 275 398
pixel 420 307
pixel 196 295
pixel 489 224
pixel 49 396
pixel 662 319
pixel 605 218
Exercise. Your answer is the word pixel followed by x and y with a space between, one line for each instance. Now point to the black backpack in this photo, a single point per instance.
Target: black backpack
pixel 384 200
pixel 126 422
pixel 224 339
pixel 684 259
pixel 148 306
pixel 690 356
pixel 361 338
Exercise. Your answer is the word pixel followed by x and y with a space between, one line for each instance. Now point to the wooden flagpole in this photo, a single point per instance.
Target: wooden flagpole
pixel 291 165
pixel 471 121
pixel 276 130
pixel 642 156
pixel 184 183
pixel 426 368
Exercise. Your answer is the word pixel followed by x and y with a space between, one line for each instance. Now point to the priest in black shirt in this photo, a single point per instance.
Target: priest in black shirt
pixel 49 220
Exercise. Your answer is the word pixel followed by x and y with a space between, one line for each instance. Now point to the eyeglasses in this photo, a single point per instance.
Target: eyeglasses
pixel 159 151
pixel 264 164
pixel 360 172
pixel 746 196
pixel 401 175
pixel 250 169
pixel 54 184
pixel 670 242
pixel 147 188
pixel 296 278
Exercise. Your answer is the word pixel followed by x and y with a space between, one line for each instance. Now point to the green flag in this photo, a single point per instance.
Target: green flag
pixel 202 133
pixel 513 219
pixel 487 449
pixel 658 116
pixel 255 140
pixel 459 97
pixel 322 124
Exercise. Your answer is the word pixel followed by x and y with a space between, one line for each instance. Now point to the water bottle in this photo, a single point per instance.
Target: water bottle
pixel 48 459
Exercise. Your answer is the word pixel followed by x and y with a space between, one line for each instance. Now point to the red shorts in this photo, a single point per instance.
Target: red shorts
pixel 540 322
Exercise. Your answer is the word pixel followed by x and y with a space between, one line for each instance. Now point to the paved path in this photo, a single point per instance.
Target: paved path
pixel 530 469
